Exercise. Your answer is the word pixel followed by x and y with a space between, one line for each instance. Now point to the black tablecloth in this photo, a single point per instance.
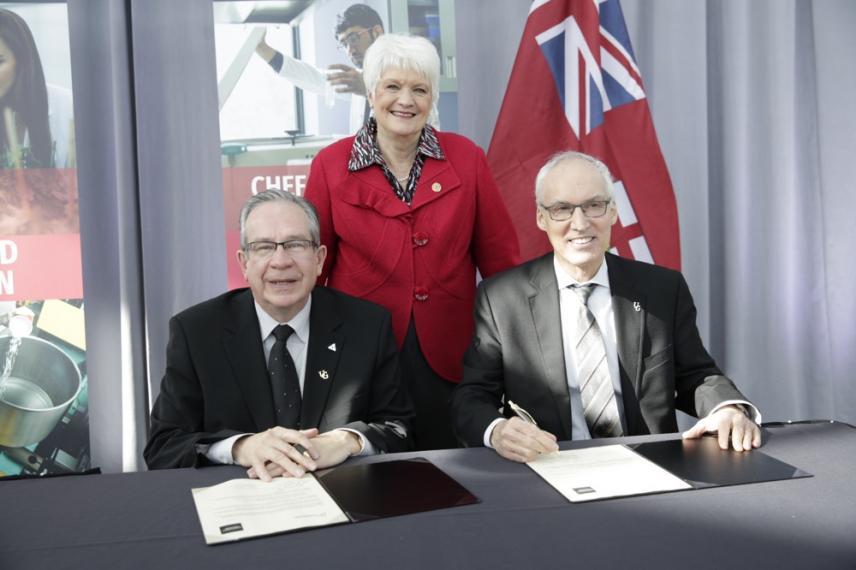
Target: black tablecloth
pixel 147 520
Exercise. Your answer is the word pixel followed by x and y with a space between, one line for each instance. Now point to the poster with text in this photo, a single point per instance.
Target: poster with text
pixel 44 427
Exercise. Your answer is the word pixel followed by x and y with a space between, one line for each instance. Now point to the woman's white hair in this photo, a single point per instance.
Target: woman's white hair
pixel 413 53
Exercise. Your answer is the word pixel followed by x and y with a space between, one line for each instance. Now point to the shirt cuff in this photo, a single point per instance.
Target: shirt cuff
pixel 751 411
pixel 220 451
pixel 276 62
pixel 489 432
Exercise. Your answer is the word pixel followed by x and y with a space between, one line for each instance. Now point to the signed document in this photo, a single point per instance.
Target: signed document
pixel 245 508
pixel 603 472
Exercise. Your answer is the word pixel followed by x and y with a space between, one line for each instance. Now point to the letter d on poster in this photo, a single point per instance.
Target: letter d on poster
pixel 8 252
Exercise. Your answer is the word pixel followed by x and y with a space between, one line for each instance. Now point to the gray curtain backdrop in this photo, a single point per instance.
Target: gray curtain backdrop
pixel 110 236
pixel 752 105
pixel 752 102
pixel 151 198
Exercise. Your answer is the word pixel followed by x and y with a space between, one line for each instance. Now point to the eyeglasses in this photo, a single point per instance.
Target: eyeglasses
pixel 561 211
pixel 294 247
pixel 351 40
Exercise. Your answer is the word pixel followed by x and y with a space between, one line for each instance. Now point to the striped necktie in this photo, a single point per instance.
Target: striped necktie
pixel 598 396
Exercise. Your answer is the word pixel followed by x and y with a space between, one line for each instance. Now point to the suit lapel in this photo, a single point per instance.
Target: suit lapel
pixel 244 351
pixel 630 309
pixel 544 306
pixel 325 345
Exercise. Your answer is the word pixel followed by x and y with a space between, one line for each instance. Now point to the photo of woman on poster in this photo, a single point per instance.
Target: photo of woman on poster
pixel 36 134
pixel 36 117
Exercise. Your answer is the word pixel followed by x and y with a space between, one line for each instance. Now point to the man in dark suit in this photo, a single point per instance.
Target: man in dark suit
pixel 581 343
pixel 238 389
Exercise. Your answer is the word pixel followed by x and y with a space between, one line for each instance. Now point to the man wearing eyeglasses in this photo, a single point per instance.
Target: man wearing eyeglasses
pixel 356 29
pixel 580 343
pixel 283 377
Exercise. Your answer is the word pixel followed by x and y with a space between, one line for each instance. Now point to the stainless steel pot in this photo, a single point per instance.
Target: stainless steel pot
pixel 43 383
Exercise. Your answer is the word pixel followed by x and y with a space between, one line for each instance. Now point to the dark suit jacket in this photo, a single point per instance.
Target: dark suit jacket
pixel 516 352
pixel 216 383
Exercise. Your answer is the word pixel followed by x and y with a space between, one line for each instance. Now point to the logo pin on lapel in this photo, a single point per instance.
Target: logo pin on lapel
pixel 323 374
pixel 636 306
pixel 332 347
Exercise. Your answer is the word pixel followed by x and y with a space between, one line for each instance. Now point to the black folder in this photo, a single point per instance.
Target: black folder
pixel 701 463
pixel 392 488
pixel 362 493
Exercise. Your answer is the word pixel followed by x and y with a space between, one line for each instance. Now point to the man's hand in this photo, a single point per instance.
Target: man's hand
pixel 346 79
pixel 264 50
pixel 333 447
pixel 274 450
pixel 521 441
pixel 729 422
pixel 336 446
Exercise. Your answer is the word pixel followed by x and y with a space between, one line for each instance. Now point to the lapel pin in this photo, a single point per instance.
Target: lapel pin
pixel 332 347
pixel 323 374
pixel 436 187
pixel 636 306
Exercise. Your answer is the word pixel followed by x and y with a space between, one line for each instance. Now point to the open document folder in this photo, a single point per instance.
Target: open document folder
pixel 618 471
pixel 248 508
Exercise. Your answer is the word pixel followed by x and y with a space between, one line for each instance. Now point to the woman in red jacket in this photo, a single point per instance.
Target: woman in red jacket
pixel 407 214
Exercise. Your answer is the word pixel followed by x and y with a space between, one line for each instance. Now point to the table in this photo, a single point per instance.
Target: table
pixel 147 520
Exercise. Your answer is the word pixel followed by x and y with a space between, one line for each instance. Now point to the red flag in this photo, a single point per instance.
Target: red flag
pixel 575 86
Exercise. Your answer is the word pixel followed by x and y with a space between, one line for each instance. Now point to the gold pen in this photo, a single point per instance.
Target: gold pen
pixel 522 414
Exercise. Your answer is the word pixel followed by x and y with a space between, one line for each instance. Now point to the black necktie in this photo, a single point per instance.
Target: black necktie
pixel 284 382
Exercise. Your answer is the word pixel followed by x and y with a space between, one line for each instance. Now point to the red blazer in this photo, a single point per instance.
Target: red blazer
pixel 418 260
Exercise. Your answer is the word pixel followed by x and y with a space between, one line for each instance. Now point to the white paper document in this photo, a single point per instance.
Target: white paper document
pixel 602 472
pixel 244 508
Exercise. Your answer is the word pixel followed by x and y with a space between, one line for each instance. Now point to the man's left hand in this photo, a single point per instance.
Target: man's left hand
pixel 729 423
pixel 346 79
pixel 333 448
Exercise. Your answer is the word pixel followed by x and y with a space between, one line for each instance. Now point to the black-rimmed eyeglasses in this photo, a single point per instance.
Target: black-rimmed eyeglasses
pixel 351 40
pixel 561 211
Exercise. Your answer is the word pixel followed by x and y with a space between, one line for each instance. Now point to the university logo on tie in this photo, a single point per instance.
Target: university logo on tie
pixel 575 85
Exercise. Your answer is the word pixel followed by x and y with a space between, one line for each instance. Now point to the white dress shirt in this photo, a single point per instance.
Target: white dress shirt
pixel 600 305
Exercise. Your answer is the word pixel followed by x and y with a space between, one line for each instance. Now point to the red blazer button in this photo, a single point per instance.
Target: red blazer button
pixel 420 239
pixel 420 294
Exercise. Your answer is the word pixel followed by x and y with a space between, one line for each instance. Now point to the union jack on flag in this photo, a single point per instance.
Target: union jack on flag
pixel 575 85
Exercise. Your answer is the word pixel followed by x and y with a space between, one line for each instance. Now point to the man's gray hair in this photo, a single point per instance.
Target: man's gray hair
pixel 275 195
pixel 571 155
pixel 413 53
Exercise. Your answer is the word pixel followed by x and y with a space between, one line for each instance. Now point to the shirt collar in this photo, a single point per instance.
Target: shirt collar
pixel 366 152
pixel 564 280
pixel 300 322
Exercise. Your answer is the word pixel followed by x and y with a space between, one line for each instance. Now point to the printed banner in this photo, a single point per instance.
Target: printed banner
pixel 290 83
pixel 575 85
pixel 44 425
pixel 241 182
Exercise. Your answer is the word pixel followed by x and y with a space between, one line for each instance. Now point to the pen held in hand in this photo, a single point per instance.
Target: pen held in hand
pixel 522 414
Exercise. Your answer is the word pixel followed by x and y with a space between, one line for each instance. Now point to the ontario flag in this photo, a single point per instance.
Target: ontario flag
pixel 575 86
